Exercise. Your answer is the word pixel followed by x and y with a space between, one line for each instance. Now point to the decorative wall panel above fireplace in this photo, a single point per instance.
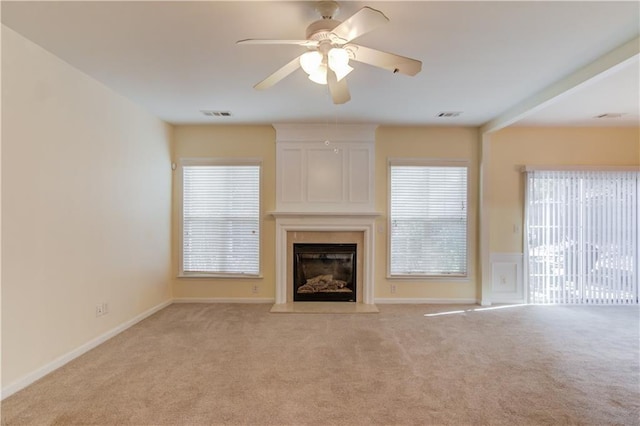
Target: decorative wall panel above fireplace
pixel 325 168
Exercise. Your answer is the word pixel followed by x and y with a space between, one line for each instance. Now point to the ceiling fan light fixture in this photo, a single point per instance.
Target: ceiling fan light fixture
pixel 339 62
pixel 310 61
pixel 342 72
pixel 319 75
pixel 330 48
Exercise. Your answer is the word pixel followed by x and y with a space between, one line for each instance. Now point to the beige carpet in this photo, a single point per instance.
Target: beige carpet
pixel 197 364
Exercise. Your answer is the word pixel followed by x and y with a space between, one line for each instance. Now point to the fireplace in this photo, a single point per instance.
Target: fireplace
pixel 325 195
pixel 324 272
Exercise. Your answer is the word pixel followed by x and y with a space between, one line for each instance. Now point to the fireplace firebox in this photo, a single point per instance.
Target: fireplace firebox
pixel 324 272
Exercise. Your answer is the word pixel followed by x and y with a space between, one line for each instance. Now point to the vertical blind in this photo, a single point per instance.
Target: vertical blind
pixel 428 220
pixel 221 229
pixel 582 237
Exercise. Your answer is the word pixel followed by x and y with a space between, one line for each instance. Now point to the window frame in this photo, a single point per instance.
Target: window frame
pixel 430 162
pixel 217 161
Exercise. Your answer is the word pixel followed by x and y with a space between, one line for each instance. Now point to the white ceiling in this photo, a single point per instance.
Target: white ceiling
pixel 481 58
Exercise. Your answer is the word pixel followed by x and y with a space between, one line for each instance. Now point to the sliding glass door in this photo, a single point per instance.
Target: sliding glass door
pixel 582 237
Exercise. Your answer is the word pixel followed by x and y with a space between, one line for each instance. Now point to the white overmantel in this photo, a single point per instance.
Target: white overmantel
pixel 315 132
pixel 325 168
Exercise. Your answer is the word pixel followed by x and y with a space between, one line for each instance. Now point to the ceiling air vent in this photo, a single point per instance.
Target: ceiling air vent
pixel 449 114
pixel 216 113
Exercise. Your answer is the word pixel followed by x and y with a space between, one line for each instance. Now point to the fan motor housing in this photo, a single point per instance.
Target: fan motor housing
pixel 320 30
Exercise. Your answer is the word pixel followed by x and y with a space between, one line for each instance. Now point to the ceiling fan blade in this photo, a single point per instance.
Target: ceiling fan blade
pixel 339 89
pixel 279 74
pixel 361 22
pixel 306 43
pixel 388 61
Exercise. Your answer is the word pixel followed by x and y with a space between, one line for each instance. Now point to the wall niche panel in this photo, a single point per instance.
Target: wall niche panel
pixel 291 183
pixel 319 175
pixel 324 175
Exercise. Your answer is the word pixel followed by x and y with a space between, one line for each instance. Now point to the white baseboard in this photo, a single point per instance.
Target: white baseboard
pixel 426 301
pixel 224 300
pixel 64 359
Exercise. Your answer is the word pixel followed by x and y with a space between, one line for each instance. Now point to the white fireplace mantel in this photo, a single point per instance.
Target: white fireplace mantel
pixel 319 215
pixel 325 222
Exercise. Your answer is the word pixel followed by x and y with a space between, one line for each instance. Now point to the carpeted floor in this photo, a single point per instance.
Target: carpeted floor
pixel 218 364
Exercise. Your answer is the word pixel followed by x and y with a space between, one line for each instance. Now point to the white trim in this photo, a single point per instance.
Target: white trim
pixel 366 224
pixel 191 275
pixel 179 186
pixel 426 301
pixel 484 213
pixel 515 260
pixel 219 161
pixel 301 132
pixel 533 168
pixel 452 278
pixel 223 300
pixel 37 374
pixel 430 162
pixel 347 158
pixel 501 256
pixel 286 214
pixel 525 241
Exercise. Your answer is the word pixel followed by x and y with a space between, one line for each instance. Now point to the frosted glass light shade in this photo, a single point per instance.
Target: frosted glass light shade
pixel 342 72
pixel 339 62
pixel 310 61
pixel 319 75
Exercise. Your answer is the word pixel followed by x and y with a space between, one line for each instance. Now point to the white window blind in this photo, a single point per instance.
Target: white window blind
pixel 582 237
pixel 428 220
pixel 221 228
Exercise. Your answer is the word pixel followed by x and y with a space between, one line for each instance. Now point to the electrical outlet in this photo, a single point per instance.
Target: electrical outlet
pixel 393 289
pixel 102 309
pixel 255 289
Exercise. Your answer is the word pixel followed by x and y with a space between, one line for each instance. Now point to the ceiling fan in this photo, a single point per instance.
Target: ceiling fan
pixel 330 49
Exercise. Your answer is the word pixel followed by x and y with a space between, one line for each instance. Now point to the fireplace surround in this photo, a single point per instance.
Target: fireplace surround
pixel 294 228
pixel 325 195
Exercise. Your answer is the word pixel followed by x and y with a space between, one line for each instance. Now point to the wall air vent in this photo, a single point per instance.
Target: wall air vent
pixel 216 113
pixel 610 115
pixel 449 114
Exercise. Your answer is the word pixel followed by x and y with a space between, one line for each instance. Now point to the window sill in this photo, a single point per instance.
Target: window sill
pixel 218 276
pixel 450 278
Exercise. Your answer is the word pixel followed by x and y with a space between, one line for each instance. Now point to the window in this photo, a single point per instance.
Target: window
pixel 428 220
pixel 582 236
pixel 220 219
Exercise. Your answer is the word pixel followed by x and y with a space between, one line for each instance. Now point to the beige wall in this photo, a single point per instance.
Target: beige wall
pixel 429 143
pixel 259 141
pixel 228 142
pixel 86 184
pixel 514 147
